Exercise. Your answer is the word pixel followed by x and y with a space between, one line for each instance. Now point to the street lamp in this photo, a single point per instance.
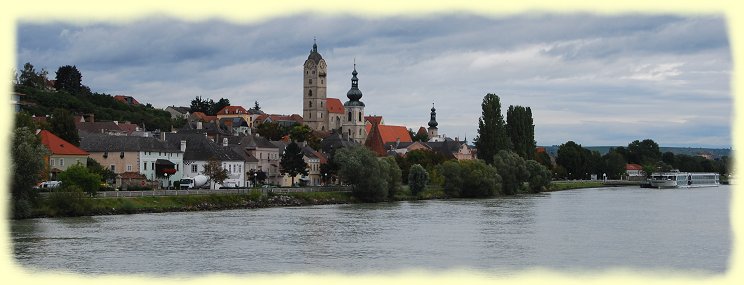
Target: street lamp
pixel 254 179
pixel 325 178
pixel 167 187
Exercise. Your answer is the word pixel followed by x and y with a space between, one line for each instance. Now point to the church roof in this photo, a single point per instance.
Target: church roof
pixel 391 133
pixel 334 105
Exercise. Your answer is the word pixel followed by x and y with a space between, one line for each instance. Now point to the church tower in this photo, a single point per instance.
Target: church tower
pixel 314 110
pixel 433 123
pixel 353 125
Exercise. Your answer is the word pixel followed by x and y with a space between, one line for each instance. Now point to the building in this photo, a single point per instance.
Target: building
pixel 433 131
pixel 354 124
pixel 62 154
pixel 149 156
pixel 314 108
pixel 198 150
pixel 129 100
pixel 232 112
pixel 178 112
pixel 634 171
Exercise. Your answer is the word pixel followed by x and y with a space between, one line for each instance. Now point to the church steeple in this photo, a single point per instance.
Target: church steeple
pixel 433 121
pixel 315 46
pixel 354 93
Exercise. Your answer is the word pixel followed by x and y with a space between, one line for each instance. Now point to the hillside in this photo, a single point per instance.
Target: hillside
pixel 716 152
pixel 105 108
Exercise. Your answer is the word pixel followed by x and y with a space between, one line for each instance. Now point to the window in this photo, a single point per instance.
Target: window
pixel 193 168
pixel 153 165
pixel 105 154
pixel 177 168
pixel 360 116
pixel 321 115
pixel 310 93
pixel 61 162
pixel 321 104
pixel 260 155
pixel 112 167
pixel 129 167
pixel 311 115
pixel 310 103
pixel 321 81
pixel 310 81
pixel 52 161
pixel 313 71
pixel 360 132
pixel 349 117
pixel 145 166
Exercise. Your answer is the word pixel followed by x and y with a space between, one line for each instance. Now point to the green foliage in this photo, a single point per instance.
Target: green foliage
pixel 69 79
pixel 103 106
pixel 418 137
pixel 492 135
pixel 80 177
pixel 393 175
pixel 30 78
pixel 208 106
pixel 426 158
pixel 417 179
pixel 359 167
pixel 613 165
pixel 105 173
pixel 27 164
pixel 214 170
pixel 292 161
pixel 544 159
pixel 69 200
pixel 539 178
pixel 643 152
pixel 272 131
pixel 469 178
pixel 303 133
pixel 217 106
pixel 24 120
pixel 521 131
pixel 574 159
pixel 512 169
pixel 62 124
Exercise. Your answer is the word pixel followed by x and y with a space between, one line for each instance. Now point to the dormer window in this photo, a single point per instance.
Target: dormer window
pixel 121 155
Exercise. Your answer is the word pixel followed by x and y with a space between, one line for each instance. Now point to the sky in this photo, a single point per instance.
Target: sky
pixel 597 80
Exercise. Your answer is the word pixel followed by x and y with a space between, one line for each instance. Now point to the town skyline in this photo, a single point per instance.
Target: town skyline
pixel 596 80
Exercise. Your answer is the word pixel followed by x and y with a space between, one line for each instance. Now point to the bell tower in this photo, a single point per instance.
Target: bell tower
pixel 353 125
pixel 314 109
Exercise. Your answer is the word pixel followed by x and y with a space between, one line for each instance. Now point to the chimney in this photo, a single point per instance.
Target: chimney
pixel 224 141
pixel 199 125
pixel 162 136
pixel 183 145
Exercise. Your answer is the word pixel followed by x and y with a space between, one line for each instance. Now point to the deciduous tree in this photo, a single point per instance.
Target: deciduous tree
pixel 292 161
pixel 358 167
pixel 512 169
pixel 417 179
pixel 62 124
pixel 68 79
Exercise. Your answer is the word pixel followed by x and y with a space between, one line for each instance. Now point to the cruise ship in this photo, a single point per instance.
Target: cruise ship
pixel 676 179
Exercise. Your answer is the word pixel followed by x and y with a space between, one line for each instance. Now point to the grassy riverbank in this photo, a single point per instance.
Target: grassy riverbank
pixel 62 205
pixel 577 184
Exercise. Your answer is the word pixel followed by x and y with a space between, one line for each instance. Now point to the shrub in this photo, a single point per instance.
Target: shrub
pixel 79 176
pixel 469 178
pixel 512 169
pixel 539 176
pixel 360 168
pixel 68 201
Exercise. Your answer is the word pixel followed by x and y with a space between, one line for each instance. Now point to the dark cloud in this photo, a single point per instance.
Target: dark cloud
pixel 577 72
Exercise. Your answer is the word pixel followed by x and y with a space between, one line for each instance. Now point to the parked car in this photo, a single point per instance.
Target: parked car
pixel 48 184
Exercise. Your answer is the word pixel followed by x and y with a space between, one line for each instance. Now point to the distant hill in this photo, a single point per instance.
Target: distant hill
pixel 716 152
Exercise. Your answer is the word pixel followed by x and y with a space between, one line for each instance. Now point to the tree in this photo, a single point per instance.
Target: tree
pixel 492 135
pixel 256 107
pixel 292 161
pixel 215 172
pixel 200 105
pixel 417 179
pixel 272 131
pixel 668 157
pixel 79 176
pixel 469 178
pixel 300 133
pixel 521 130
pixel 613 165
pixel 23 119
pixel 62 124
pixel 393 175
pixel 426 158
pixel 27 167
pixel 358 167
pixel 215 107
pixel 418 137
pixel 539 176
pixel 512 169
pixel 68 79
pixel 105 173
pixel 544 158
pixel 574 159
pixel 29 77
pixel 643 152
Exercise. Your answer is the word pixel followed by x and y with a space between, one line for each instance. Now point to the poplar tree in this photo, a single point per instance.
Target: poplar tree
pixel 492 135
pixel 521 130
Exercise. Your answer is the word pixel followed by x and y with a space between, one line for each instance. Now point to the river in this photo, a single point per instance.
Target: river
pixel 576 230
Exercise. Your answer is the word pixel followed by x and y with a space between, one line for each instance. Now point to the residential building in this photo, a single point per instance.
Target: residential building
pixel 232 112
pixel 178 112
pixel 129 100
pixel 62 154
pixel 634 171
pixel 198 150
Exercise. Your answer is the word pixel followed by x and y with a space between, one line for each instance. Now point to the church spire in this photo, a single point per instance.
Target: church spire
pixel 315 45
pixel 433 122
pixel 354 93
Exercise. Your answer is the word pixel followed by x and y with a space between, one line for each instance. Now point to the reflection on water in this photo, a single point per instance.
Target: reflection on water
pixel 587 229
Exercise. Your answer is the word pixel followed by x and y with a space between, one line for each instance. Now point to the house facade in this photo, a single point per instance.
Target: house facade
pixel 62 154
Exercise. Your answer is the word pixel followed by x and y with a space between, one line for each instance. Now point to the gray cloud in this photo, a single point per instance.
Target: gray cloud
pixel 577 72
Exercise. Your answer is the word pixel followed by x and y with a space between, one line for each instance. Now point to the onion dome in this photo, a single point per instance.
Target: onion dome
pixel 354 93
pixel 314 55
pixel 433 122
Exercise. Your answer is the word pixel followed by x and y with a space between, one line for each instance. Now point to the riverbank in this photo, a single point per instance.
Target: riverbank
pixel 70 205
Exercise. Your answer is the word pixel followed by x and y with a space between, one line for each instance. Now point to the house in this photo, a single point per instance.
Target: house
pixel 634 171
pixel 111 128
pixel 178 112
pixel 129 100
pixel 235 126
pixel 380 135
pixel 453 149
pixel 231 112
pixel 335 113
pixel 282 120
pixel 149 156
pixel 239 145
pixel 213 130
pixel 201 117
pixel 198 150
pixel 62 154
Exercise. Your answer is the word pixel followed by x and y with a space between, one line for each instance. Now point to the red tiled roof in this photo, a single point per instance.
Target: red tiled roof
pixel 232 110
pixel 204 117
pixel 374 140
pixel 128 127
pixel 633 166
pixel 334 105
pixel 373 119
pixel 123 99
pixel 323 159
pixel 391 133
pixel 57 145
pixel 422 131
pixel 539 149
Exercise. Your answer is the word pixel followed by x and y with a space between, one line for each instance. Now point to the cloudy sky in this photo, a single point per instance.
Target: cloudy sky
pixel 596 80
